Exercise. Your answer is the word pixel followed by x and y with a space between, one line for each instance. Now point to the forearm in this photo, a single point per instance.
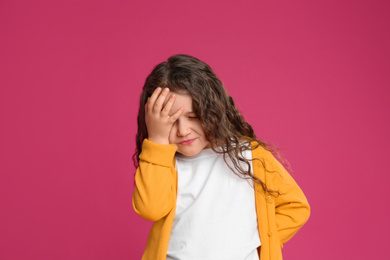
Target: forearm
pixel 153 196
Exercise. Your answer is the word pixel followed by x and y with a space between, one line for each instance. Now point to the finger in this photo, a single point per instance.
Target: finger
pixel 168 106
pixel 176 115
pixel 160 100
pixel 153 98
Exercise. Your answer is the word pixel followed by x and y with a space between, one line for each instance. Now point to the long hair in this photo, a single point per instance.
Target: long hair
pixel 223 124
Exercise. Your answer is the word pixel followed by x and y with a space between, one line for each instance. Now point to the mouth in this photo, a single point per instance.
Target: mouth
pixel 187 142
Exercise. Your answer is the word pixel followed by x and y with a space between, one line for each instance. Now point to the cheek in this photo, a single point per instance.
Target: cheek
pixel 199 128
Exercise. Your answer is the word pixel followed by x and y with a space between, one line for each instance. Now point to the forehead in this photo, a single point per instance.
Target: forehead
pixel 182 100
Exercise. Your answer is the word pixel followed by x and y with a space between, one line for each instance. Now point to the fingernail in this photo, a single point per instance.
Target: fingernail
pixel 166 89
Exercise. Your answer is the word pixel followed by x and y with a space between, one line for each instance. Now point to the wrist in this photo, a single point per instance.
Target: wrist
pixel 158 140
pixel 157 154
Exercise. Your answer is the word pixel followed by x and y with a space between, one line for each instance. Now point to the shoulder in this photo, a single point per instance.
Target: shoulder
pixel 266 165
pixel 261 153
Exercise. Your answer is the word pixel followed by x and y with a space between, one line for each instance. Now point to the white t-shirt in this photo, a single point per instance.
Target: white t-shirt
pixel 215 213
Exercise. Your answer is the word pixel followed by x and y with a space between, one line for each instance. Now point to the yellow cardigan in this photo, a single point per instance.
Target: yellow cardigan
pixel 154 198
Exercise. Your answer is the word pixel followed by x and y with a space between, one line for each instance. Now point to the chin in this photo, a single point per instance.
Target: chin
pixel 186 152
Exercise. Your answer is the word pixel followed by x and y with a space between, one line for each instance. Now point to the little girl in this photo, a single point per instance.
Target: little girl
pixel 213 190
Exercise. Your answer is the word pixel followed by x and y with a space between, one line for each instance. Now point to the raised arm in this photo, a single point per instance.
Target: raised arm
pixel 153 196
pixel 155 177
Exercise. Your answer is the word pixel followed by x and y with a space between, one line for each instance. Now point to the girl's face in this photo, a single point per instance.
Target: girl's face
pixel 187 132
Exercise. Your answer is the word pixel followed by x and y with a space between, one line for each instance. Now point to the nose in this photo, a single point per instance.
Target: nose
pixel 183 128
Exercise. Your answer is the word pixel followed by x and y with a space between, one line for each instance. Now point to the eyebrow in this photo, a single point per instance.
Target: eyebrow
pixel 189 112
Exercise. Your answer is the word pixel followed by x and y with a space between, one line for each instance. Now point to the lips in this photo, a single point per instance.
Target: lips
pixel 188 142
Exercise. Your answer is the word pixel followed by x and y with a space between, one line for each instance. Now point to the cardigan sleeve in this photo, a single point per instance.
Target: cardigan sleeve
pixel 292 209
pixel 154 181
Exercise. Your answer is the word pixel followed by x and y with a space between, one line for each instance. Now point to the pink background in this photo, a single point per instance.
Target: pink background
pixel 310 76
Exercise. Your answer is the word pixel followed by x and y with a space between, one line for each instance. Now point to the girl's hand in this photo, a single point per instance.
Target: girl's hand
pixel 157 119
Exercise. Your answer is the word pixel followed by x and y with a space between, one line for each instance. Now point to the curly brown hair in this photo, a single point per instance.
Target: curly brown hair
pixel 223 124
